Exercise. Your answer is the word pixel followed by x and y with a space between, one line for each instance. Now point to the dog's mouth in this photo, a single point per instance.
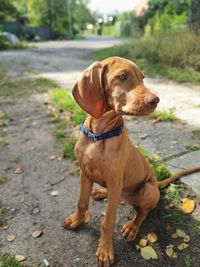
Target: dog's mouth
pixel 142 112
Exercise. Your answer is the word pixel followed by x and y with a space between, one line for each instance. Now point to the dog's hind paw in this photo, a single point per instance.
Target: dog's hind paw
pixel 130 230
pixel 99 194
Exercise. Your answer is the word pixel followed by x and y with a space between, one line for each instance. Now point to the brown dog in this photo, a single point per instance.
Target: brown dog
pixel 106 91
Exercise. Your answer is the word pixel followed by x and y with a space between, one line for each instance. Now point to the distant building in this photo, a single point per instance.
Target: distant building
pixel 141 8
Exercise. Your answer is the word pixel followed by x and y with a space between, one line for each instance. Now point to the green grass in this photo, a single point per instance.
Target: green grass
pixel 193 147
pixel 3 178
pixel 9 261
pixel 68 151
pixel 63 100
pixel 188 261
pixel 3 208
pixel 174 55
pixel 163 115
pixel 25 87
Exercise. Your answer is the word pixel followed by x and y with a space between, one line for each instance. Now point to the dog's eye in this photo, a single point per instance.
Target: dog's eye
pixel 122 77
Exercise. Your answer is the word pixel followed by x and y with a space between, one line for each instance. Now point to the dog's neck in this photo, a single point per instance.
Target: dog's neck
pixel 107 122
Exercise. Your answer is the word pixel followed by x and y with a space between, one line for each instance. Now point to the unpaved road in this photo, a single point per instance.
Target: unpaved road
pixel 63 61
pixel 27 194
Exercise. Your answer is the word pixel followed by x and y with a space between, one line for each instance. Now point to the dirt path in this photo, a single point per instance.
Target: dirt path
pixel 33 153
pixel 63 61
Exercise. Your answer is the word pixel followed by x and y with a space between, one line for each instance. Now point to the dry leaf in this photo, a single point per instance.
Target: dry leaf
pixel 186 238
pixel 148 253
pixel 180 233
pixel 174 235
pixel 46 262
pixel 171 253
pixel 103 213
pixel 54 193
pixel 20 258
pixel 142 243
pixel 4 226
pixel 187 205
pixel 19 170
pixel 10 238
pixel 37 233
pixel 174 142
pixel 137 247
pixel 155 156
pixel 152 237
pixel 52 157
pixel 182 246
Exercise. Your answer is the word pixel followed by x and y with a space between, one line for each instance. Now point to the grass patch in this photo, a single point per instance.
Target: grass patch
pixel 68 151
pixel 59 134
pixel 63 100
pixel 9 261
pixel 193 147
pixel 3 178
pixel 159 169
pixel 174 55
pixel 3 208
pixel 163 115
pixel 25 87
pixel 188 261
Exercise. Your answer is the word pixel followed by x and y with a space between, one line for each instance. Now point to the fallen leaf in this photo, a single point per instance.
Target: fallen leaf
pixel 182 246
pixel 19 170
pixel 148 253
pixel 155 156
pixel 37 233
pixel 143 243
pixel 52 157
pixel 20 258
pixel 103 213
pixel 171 253
pixel 4 226
pixel 54 193
pixel 152 237
pixel 174 142
pixel 186 238
pixel 187 205
pixel 180 233
pixel 10 238
pixel 137 247
pixel 174 235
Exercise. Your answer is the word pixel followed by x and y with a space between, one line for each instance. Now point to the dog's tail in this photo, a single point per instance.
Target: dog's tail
pixel 178 175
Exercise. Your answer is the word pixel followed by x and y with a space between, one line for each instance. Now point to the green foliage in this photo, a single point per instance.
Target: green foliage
pixel 160 170
pixel 25 87
pixel 9 261
pixel 7 10
pixel 68 151
pixel 173 54
pixel 54 13
pixel 128 25
pixel 193 147
pixel 63 100
pixel 163 115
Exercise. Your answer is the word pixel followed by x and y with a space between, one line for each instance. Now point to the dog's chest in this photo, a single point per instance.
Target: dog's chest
pixel 94 161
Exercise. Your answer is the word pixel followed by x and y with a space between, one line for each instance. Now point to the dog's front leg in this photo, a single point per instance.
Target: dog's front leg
pixel 81 215
pixel 105 254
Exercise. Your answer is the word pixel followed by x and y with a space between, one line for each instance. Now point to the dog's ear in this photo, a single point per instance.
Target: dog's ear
pixel 88 91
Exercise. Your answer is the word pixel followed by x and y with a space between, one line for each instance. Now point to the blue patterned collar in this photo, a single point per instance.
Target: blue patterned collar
pixel 97 137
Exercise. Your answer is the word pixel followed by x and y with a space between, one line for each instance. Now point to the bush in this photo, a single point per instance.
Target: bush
pixel 4 44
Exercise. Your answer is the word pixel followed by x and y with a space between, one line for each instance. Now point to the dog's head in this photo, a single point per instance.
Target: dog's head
pixel 115 83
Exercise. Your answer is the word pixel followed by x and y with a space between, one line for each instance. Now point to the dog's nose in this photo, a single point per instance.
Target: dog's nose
pixel 151 100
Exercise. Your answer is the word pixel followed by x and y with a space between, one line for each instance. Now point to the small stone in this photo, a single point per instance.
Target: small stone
pixel 46 262
pixel 36 210
pixel 37 233
pixel 54 193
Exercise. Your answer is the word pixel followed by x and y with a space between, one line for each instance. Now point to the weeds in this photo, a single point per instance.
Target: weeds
pixel 188 261
pixel 173 54
pixel 68 151
pixel 9 261
pixel 193 147
pixel 163 115
pixel 63 100
pixel 3 178
pixel 25 87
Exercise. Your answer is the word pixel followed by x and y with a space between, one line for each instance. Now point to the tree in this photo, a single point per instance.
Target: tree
pixel 194 15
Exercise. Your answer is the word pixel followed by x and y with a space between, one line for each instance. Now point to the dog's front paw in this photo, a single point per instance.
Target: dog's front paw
pixel 130 230
pixel 105 255
pixel 75 219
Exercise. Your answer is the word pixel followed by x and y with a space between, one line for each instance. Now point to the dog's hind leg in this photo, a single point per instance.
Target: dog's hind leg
pixel 144 199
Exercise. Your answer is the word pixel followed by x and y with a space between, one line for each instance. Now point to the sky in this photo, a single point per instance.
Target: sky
pixel 109 6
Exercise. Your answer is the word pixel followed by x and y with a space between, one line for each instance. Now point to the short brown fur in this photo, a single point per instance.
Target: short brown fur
pixel 107 90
